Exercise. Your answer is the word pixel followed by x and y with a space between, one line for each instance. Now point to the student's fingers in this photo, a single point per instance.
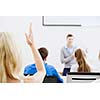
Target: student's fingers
pixel 28 39
pixel 30 29
pixel 26 35
pixel 30 32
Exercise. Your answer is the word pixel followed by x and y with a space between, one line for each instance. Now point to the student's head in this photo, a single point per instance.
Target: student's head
pixel 79 53
pixel 70 39
pixel 9 63
pixel 99 56
pixel 43 52
pixel 80 58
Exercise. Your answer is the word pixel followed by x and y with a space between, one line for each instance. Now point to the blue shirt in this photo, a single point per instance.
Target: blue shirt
pixel 50 71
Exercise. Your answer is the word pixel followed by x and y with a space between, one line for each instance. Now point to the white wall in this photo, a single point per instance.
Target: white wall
pixel 73 20
pixel 51 37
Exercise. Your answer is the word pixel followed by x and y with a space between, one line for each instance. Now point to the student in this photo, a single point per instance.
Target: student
pixel 9 60
pixel 67 54
pixel 98 80
pixel 83 66
pixel 50 70
pixel 99 55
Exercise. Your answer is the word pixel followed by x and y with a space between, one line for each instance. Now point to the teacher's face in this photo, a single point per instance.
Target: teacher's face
pixel 70 40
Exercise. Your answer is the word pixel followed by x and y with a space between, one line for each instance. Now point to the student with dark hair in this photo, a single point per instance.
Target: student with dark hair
pixel 50 70
pixel 67 54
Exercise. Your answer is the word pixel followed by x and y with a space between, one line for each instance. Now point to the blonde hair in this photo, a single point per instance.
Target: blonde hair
pixel 9 58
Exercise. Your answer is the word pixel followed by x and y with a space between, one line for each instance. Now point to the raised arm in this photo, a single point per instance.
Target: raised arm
pixel 39 76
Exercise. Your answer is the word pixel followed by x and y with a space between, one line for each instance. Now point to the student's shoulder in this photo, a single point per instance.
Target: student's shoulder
pixel 29 66
pixel 51 67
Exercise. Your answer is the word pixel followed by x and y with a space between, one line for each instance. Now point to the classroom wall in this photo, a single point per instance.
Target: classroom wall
pixel 53 38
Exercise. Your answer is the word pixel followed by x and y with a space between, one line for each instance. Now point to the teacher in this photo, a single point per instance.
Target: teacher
pixel 67 54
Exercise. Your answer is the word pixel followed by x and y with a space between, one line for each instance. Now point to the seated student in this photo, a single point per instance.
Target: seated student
pixel 99 56
pixel 9 60
pixel 98 80
pixel 83 66
pixel 50 70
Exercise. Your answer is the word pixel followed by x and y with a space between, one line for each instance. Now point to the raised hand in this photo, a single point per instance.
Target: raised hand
pixel 39 76
pixel 30 38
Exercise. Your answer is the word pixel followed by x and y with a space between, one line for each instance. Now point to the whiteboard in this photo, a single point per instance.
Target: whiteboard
pixel 71 20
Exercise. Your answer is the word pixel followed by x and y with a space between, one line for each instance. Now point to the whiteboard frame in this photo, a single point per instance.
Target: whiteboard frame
pixel 68 25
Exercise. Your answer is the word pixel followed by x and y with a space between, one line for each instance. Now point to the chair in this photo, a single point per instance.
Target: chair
pixel 50 79
pixel 82 77
pixel 47 79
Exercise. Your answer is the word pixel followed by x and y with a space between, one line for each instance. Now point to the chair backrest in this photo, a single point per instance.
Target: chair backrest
pixel 78 77
pixel 50 79
pixel 47 79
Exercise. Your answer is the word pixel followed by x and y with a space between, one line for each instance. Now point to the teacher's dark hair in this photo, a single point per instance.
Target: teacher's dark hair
pixel 69 35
